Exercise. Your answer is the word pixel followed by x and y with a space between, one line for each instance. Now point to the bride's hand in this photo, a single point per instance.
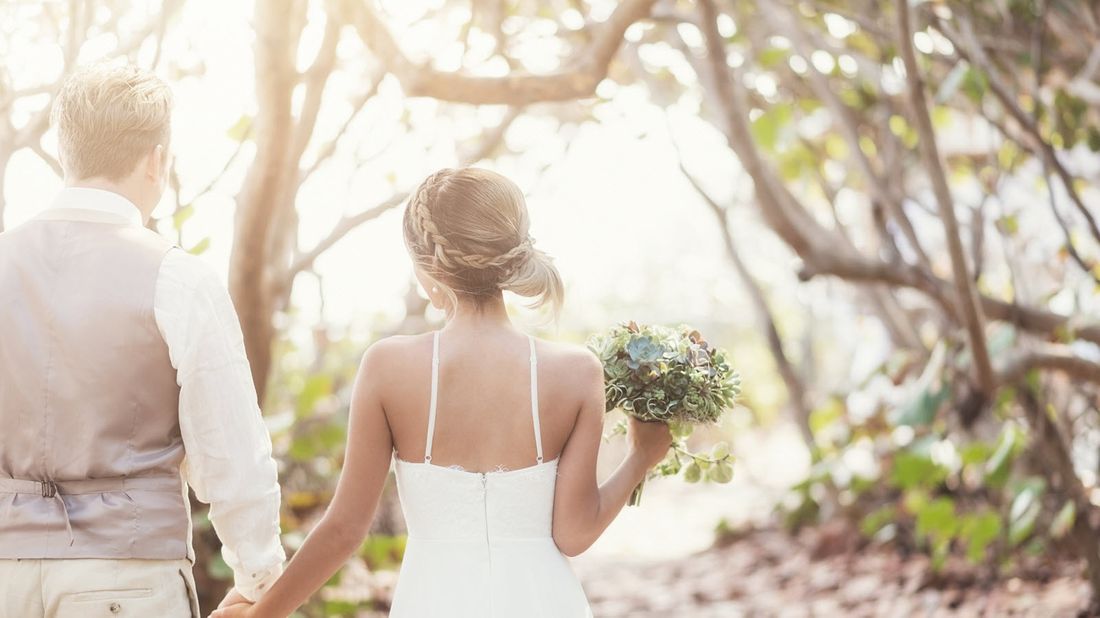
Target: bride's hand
pixel 648 440
pixel 237 610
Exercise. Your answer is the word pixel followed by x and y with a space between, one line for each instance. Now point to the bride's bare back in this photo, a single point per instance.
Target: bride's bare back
pixel 483 411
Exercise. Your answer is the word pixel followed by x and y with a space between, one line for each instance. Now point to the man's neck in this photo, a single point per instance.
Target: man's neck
pixel 114 187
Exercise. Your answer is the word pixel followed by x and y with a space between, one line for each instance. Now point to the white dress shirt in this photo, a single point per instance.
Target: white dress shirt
pixel 226 444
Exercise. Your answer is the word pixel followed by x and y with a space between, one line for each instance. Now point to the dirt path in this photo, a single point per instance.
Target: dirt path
pixel 768 573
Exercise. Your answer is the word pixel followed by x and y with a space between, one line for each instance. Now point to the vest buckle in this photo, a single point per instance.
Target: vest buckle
pixel 49 489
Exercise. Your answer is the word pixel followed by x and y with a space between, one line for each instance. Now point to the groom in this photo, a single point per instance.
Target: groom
pixel 123 380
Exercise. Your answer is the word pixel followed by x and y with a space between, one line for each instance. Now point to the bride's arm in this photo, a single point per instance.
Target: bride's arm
pixel 348 518
pixel 583 508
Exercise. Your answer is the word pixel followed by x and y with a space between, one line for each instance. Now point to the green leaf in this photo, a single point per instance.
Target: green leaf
pixel 182 215
pixel 979 531
pixel 936 520
pixel 913 470
pixel 680 430
pixel 241 129
pixel 951 83
pixel 1001 340
pixel 1093 138
pixel 315 388
pixel 721 473
pixel 975 85
pixel 877 520
pixel 218 569
pixel 768 126
pixel 939 554
pixel 928 392
pixel 339 607
pixel 1023 514
pixel 200 247
pixel 941 117
pixel 826 414
pixel 1064 520
pixel 693 473
pixel 795 161
pixel 302 449
pixel 1010 224
pixel 999 463
pixel 772 57
pixel 381 551
pixel 975 453
pixel 720 450
pixel 921 410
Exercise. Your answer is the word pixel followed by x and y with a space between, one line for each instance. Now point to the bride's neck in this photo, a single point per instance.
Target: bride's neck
pixel 487 315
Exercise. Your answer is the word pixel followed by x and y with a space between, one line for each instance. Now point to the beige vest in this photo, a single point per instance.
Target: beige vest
pixel 90 446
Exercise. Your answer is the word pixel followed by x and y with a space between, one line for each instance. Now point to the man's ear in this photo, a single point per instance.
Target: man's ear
pixel 155 163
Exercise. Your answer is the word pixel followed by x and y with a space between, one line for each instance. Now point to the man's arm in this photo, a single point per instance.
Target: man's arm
pixel 227 447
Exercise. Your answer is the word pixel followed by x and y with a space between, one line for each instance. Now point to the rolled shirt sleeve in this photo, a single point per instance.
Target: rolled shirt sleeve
pixel 227 447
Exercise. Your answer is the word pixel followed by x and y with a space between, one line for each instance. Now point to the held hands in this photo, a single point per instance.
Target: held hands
pixel 234 605
pixel 649 441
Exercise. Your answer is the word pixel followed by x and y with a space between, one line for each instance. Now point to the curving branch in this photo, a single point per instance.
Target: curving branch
pixel 858 270
pixel 314 80
pixel 578 80
pixel 1073 366
pixel 346 225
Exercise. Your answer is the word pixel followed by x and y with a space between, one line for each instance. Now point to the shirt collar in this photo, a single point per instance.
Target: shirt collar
pixel 99 200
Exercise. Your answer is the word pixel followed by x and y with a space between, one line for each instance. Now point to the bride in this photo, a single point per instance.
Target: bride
pixel 493 434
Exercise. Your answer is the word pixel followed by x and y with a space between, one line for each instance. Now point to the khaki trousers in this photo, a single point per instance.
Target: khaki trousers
pixel 92 588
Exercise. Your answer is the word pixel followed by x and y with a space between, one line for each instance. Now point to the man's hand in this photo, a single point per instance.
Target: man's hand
pixel 233 598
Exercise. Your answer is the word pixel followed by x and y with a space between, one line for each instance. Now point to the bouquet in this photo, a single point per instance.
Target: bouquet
pixel 670 375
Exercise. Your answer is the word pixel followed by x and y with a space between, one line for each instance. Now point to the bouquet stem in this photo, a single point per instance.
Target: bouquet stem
pixel 636 495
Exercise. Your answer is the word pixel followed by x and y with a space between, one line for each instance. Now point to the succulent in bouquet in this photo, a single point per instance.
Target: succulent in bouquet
pixel 670 375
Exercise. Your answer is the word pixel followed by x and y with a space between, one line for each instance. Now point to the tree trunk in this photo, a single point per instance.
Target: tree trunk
pixel 253 281
pixel 969 305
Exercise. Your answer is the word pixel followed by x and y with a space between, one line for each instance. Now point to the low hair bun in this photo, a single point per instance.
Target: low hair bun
pixel 535 276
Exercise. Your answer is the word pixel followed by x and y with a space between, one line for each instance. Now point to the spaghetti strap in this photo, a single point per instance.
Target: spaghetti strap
pixel 535 400
pixel 435 391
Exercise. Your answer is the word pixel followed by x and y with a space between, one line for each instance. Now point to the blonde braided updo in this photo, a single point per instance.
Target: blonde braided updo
pixel 468 232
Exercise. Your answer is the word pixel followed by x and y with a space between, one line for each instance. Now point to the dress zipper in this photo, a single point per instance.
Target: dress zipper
pixel 488 544
pixel 485 505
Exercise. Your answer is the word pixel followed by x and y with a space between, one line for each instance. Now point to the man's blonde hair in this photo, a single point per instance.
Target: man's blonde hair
pixel 108 118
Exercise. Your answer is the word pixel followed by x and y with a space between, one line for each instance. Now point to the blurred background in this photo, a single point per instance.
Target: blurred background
pixel 886 211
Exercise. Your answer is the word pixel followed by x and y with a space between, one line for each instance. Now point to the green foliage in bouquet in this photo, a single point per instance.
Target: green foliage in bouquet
pixel 670 375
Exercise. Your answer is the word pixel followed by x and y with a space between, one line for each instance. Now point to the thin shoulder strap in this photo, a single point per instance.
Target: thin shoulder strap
pixel 435 391
pixel 535 400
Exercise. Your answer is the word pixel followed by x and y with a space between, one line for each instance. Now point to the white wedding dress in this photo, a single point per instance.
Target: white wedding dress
pixel 480 543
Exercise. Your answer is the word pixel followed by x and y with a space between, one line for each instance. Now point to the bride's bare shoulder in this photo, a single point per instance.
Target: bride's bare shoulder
pixel 395 354
pixel 569 362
